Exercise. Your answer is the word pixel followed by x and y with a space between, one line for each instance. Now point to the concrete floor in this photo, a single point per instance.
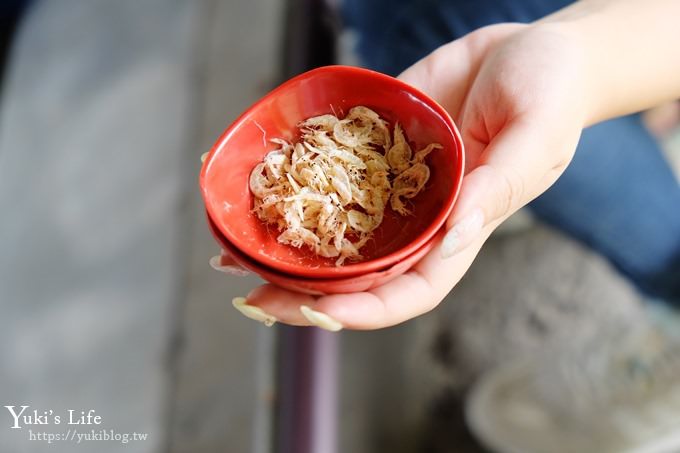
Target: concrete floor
pixel 216 395
pixel 107 299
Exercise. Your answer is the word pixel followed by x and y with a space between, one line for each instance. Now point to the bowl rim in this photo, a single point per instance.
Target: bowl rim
pixel 267 273
pixel 361 267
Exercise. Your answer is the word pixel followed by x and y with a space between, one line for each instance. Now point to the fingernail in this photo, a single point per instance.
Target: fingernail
pixel 462 233
pixel 320 319
pixel 204 156
pixel 216 263
pixel 252 312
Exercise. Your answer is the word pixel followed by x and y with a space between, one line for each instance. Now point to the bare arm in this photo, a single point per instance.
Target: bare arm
pixel 631 50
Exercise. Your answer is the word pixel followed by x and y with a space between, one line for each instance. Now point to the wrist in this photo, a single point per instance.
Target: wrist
pixel 586 94
pixel 629 52
pixel 575 23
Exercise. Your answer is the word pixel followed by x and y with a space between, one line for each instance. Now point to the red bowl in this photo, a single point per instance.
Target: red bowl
pixel 225 173
pixel 317 286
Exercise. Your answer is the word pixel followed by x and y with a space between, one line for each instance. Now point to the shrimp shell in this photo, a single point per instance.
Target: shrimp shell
pixel 407 185
pixel 399 155
pixel 259 184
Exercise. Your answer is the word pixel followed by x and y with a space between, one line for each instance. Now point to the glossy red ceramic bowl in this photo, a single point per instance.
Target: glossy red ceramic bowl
pixel 225 173
pixel 317 286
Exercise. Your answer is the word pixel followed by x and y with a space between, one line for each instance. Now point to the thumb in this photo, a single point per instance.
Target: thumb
pixel 508 174
pixel 488 195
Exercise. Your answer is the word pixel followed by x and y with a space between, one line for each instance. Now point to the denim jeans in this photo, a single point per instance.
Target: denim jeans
pixel 618 196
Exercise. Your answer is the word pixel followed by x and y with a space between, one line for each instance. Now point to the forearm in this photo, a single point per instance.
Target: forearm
pixel 631 51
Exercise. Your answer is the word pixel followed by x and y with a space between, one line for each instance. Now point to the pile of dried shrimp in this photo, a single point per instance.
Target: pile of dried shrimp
pixel 329 190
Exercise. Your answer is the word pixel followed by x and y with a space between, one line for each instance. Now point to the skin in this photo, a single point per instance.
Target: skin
pixel 521 95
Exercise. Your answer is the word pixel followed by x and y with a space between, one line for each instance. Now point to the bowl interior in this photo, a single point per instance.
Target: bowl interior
pixel 225 174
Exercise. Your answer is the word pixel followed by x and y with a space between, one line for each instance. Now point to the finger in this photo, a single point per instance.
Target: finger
pixel 414 293
pixel 280 304
pixel 225 263
pixel 269 303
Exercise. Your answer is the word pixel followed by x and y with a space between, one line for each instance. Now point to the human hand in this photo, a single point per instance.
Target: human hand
pixel 516 91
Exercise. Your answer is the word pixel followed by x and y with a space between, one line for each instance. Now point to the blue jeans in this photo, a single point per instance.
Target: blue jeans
pixel 618 196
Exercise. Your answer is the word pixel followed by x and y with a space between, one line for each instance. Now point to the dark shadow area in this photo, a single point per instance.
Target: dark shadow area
pixel 11 12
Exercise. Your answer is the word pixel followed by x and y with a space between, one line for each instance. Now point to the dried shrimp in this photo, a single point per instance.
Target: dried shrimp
pixel 329 191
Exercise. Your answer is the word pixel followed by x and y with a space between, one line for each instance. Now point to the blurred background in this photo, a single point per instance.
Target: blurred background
pixel 107 301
